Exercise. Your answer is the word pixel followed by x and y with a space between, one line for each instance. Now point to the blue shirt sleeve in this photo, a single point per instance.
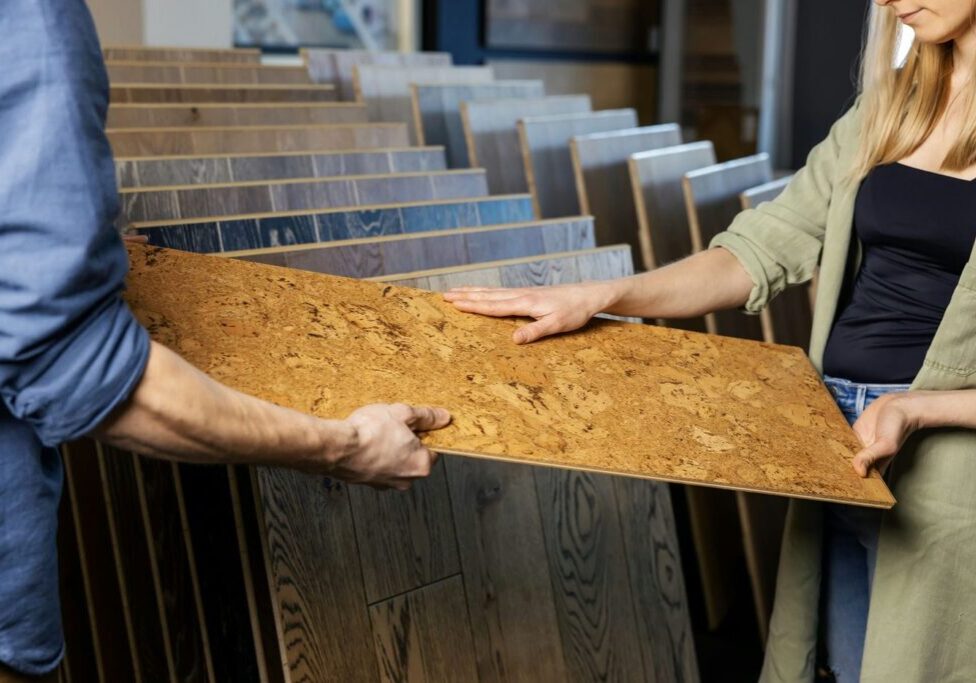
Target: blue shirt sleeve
pixel 70 349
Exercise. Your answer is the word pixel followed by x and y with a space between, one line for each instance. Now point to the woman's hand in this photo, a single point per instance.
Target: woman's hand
pixel 883 428
pixel 558 309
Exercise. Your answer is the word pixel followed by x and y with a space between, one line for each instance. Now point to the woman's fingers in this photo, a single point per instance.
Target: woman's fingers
pixel 483 295
pixel 499 309
pixel 537 330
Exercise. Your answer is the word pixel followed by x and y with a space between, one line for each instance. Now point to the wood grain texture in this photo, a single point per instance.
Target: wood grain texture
pixel 115 654
pixel 177 115
pixel 402 253
pixel 801 447
pixel 191 170
pixel 656 179
pixel 142 142
pixel 600 170
pixel 209 73
pixel 610 84
pixel 316 577
pixel 425 635
pixel 223 199
pixel 438 111
pixel 187 93
pixel 544 142
pixel 181 54
pixel 386 89
pixel 336 66
pixel 491 134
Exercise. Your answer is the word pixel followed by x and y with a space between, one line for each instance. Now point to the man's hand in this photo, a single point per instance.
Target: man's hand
pixel 386 451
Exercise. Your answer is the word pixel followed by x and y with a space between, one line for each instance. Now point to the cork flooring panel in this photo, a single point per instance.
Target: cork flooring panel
pixel 600 168
pixel 202 72
pixel 192 170
pixel 136 93
pixel 143 142
pixel 438 111
pixel 548 164
pixel 721 411
pixel 179 115
pixel 182 54
pixel 491 134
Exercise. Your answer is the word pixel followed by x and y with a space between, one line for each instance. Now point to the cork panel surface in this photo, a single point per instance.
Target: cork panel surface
pixel 150 142
pixel 675 405
pixel 177 115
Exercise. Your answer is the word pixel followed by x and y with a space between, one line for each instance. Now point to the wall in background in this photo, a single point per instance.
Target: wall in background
pixel 170 23
pixel 119 22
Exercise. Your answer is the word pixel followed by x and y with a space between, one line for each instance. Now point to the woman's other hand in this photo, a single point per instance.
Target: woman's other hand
pixel 556 310
pixel 883 429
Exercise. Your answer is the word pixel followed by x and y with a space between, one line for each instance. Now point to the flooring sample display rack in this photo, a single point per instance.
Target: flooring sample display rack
pixel 730 413
pixel 336 67
pixel 211 73
pixel 222 114
pixel 135 93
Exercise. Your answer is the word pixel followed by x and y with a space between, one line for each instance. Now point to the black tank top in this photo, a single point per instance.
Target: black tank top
pixel 917 230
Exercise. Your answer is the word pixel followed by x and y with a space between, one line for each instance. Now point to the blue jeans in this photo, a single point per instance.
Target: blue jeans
pixel 850 550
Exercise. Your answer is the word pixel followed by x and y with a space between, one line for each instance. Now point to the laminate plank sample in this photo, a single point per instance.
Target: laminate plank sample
pixel 336 66
pixel 420 251
pixel 491 135
pixel 204 73
pixel 524 403
pixel 545 148
pixel 386 89
pixel 190 170
pixel 210 200
pixel 143 142
pixel 789 317
pixel 600 168
pixel 438 111
pixel 665 235
pixel 177 115
pixel 182 54
pixel 191 93
pixel 115 652
pixel 712 201
pixel 258 231
pixel 421 636
pixel 316 577
pixel 134 563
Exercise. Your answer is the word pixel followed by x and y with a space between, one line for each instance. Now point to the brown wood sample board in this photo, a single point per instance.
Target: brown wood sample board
pixel 212 73
pixel 135 93
pixel 222 114
pixel 730 413
pixel 181 54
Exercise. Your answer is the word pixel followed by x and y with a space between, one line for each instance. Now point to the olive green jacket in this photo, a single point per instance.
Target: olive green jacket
pixel 922 620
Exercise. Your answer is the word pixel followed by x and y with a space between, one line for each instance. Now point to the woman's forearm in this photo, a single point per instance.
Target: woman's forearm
pixel 933 409
pixel 709 281
pixel 179 413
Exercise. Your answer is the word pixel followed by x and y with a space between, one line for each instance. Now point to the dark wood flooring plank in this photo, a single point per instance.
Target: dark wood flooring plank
pixel 317 577
pixel 180 592
pixel 544 142
pixel 136 569
pixel 424 635
pixel 134 93
pixel 115 650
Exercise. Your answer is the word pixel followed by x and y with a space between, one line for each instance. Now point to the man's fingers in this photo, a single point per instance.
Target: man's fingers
pixel 426 418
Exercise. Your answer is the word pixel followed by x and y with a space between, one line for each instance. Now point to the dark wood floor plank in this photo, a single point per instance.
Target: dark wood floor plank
pixel 136 93
pixel 425 636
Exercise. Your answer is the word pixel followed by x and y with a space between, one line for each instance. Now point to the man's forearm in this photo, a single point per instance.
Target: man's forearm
pixel 179 413
pixel 709 281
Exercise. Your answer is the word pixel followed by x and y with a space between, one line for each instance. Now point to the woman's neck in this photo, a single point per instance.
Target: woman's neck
pixel 964 56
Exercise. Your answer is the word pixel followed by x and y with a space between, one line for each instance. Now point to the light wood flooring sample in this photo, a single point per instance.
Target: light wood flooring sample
pixel 619 398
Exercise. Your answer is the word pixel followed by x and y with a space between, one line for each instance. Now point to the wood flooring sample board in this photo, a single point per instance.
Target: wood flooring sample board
pixel 619 398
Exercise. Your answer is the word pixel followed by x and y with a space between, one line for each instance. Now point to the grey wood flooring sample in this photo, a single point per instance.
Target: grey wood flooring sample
pixel 188 201
pixel 335 67
pixel 142 142
pixel 549 166
pixel 209 73
pixel 386 89
pixel 438 111
pixel 182 54
pixel 135 93
pixel 190 170
pixel 656 181
pixel 491 134
pixel 603 177
pixel 178 115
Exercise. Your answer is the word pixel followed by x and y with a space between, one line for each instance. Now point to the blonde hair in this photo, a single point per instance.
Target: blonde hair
pixel 904 104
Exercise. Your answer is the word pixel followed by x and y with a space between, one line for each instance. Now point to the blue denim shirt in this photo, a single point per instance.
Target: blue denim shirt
pixel 70 350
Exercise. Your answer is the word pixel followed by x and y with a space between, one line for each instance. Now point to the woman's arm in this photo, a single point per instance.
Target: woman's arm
pixel 708 281
pixel 888 422
pixel 179 413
